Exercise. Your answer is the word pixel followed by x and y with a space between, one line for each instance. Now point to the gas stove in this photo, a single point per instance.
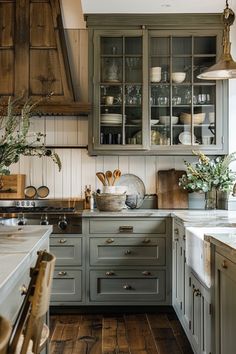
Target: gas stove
pixel 64 216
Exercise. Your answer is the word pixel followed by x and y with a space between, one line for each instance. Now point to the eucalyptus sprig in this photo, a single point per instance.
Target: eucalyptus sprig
pixel 208 173
pixel 14 134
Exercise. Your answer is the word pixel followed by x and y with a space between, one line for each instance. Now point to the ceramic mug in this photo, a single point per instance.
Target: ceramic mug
pixel 110 100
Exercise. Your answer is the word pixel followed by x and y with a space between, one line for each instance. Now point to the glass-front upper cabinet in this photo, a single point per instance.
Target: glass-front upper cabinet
pixel 182 107
pixel 118 91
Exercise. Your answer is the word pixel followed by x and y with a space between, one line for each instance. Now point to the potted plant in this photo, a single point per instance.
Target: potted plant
pixel 209 176
pixel 14 135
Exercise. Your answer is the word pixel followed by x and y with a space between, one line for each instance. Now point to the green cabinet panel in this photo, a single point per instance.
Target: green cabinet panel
pixel 146 96
pixel 66 286
pixel 128 226
pixel 128 286
pixel 225 305
pixel 121 251
pixel 68 250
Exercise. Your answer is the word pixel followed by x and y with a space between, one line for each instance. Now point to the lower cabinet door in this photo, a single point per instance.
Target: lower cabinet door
pixel 66 286
pixel 128 286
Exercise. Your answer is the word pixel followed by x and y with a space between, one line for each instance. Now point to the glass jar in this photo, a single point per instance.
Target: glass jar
pixel 211 199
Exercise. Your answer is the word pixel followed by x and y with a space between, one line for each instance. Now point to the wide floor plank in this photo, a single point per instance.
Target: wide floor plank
pixel 152 333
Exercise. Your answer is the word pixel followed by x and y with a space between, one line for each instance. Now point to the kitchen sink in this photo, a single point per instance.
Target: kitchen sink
pixel 198 255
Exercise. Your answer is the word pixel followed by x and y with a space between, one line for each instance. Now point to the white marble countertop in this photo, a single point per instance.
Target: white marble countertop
pixel 17 244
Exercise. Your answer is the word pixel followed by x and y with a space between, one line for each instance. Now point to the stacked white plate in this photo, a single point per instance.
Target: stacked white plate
pixel 111 118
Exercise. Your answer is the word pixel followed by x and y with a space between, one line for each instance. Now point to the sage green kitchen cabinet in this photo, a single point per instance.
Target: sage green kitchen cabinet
pixel 146 96
pixel 225 304
pixel 68 287
pixel 128 260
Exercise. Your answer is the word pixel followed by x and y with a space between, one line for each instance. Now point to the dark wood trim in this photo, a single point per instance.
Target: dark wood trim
pixel 157 21
pixel 63 109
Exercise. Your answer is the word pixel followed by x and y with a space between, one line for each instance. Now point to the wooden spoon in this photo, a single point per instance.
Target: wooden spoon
pixel 101 177
pixel 116 176
pixel 109 178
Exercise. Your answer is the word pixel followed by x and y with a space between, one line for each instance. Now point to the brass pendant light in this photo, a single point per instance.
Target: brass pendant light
pixel 226 66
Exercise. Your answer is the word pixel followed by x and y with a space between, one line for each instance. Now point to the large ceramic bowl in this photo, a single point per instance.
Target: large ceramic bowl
pixel 198 118
pixel 135 190
pixel 178 77
pixel 166 120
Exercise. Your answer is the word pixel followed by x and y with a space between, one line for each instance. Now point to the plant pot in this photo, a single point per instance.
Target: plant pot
pixel 196 200
pixel 211 199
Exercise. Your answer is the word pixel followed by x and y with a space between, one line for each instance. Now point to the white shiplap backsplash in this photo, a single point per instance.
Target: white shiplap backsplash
pixel 78 168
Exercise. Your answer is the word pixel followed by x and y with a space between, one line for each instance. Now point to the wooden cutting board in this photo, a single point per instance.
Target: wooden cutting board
pixel 12 187
pixel 170 194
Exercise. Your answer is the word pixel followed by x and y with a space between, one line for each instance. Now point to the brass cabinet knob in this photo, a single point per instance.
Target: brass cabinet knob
pixel 184 237
pixel 146 240
pixel 110 272
pixel 23 289
pixel 176 231
pixel 127 287
pixel 62 240
pixel 197 292
pixel 224 264
pixel 110 240
pixel 126 229
pixel 62 273
pixel 127 252
pixel 146 273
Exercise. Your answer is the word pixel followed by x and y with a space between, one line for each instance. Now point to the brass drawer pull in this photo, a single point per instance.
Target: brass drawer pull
pixel 62 273
pixel 184 237
pixel 224 264
pixel 110 240
pixel 177 231
pixel 127 229
pixel 110 272
pixel 62 240
pixel 196 292
pixel 128 252
pixel 176 239
pixel 23 289
pixel 127 287
pixel 146 240
pixel 146 273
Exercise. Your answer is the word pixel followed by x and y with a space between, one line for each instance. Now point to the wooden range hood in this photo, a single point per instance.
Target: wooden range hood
pixel 33 55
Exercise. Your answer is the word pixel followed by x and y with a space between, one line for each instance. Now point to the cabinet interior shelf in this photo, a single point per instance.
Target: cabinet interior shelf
pixel 182 105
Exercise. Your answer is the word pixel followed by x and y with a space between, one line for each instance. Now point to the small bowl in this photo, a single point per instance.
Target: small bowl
pixel 178 77
pixel 133 201
pixel 166 120
pixel 198 118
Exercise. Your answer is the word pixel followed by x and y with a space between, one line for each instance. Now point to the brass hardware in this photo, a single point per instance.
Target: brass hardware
pixel 176 239
pixel 110 240
pixel 146 240
pixel 62 240
pixel 184 237
pixel 146 273
pixel 62 273
pixel 109 273
pixel 126 229
pixel 23 289
pixel 127 287
pixel 224 264
pixel 197 292
pixel 127 252
pixel 177 231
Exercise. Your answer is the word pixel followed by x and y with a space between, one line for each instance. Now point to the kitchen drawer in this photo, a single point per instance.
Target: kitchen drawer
pixel 68 250
pixel 128 226
pixel 179 232
pixel 128 286
pixel 67 285
pixel 127 251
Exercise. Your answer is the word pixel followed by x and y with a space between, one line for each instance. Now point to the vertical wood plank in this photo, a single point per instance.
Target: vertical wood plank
pixel 114 338
pixel 137 166
pixel 82 138
pixel 88 170
pixel 150 174
pixel 76 171
pixel 110 163
pixel 73 50
pixel 58 177
pixel 59 130
pixel 50 130
pixel 70 130
pixel 50 176
pixel 83 65
pixel 99 168
pixel 25 169
pixel 124 164
pixel 66 173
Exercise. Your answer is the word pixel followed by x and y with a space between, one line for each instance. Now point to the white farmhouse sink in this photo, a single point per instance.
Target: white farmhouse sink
pixel 198 251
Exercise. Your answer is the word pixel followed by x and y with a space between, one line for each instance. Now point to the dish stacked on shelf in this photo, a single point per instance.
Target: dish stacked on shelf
pixel 111 118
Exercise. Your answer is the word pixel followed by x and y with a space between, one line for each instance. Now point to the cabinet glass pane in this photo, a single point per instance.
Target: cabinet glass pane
pixel 182 45
pixel 121 90
pixel 182 107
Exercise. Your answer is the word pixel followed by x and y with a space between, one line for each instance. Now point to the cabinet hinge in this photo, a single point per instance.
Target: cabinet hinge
pixel 189 281
pixel 185 259
pixel 189 325
pixel 93 140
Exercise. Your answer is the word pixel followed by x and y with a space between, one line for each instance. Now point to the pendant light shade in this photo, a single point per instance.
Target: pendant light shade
pixel 225 68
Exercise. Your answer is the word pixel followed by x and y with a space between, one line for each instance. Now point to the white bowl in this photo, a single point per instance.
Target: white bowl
pixel 114 189
pixel 155 78
pixel 166 120
pixel 178 77
pixel 155 69
pixel 211 117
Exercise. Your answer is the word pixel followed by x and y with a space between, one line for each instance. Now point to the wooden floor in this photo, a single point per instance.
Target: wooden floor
pixel 123 333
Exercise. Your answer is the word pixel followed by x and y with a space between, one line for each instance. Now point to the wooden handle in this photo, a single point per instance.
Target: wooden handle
pixel 101 177
pixel 108 175
pixel 116 176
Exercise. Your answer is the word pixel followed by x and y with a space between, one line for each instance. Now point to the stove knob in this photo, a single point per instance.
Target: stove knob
pixel 21 221
pixel 62 224
pixel 44 221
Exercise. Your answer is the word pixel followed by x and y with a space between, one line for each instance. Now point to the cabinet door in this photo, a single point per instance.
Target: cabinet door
pixel 119 90
pixel 178 270
pixel 196 315
pixel 225 305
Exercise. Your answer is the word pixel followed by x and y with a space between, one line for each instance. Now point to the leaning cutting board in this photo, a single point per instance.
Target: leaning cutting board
pixel 12 187
pixel 170 194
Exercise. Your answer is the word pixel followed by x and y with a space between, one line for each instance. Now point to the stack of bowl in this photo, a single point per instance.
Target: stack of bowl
pixel 155 74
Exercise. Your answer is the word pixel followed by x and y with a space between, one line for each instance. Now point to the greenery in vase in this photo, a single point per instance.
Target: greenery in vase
pixel 208 174
pixel 14 135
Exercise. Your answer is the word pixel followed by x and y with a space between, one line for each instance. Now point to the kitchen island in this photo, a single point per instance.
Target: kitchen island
pixel 18 252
